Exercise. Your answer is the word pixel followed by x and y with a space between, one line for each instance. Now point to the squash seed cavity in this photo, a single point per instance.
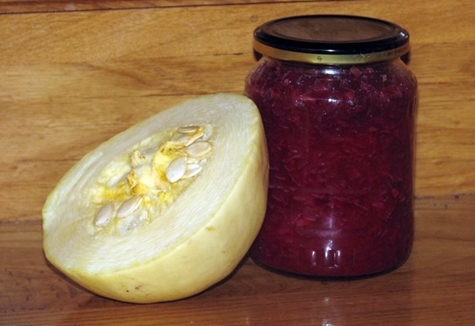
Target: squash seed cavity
pixel 155 172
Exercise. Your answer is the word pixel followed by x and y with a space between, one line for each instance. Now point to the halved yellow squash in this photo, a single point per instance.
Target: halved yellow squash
pixel 165 209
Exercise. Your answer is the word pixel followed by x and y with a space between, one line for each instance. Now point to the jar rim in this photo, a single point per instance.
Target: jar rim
pixel 331 39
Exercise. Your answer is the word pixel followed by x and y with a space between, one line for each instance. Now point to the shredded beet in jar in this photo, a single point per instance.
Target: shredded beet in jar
pixel 340 140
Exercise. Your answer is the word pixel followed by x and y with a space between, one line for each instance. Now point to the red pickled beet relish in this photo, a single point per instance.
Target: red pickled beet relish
pixel 341 165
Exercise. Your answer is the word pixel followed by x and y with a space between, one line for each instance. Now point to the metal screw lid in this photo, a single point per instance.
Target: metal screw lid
pixel 331 39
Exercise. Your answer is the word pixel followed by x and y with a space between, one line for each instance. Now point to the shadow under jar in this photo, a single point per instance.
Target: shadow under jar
pixel 338 106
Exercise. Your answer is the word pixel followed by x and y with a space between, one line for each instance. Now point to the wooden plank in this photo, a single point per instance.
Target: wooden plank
pixel 214 30
pixel 432 286
pixel 28 6
pixel 71 108
pixel 59 100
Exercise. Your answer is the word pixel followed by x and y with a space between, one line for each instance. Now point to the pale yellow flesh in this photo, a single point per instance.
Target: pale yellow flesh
pixel 198 241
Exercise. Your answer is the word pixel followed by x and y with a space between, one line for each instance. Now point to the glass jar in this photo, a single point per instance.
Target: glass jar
pixel 338 106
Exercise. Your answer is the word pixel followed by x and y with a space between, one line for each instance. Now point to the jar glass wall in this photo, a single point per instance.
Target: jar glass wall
pixel 341 152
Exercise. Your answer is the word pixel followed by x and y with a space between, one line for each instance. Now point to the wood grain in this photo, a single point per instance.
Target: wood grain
pixel 68 85
pixel 22 6
pixel 209 30
pixel 434 287
pixel 73 74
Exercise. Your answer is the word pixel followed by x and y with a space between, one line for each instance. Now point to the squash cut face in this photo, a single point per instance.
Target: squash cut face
pixel 165 209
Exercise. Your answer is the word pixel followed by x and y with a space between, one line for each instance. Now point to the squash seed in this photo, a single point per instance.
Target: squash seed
pixel 198 149
pixel 192 170
pixel 180 138
pixel 104 215
pixel 129 206
pixel 194 137
pixel 187 129
pixel 176 169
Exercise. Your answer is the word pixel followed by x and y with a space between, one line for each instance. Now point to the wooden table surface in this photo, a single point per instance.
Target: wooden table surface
pixel 436 286
pixel 73 74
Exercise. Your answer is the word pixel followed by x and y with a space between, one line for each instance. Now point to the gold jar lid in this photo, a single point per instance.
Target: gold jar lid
pixel 331 39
